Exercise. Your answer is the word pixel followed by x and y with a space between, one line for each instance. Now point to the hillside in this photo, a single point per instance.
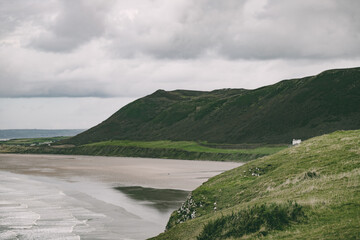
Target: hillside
pixel 297 108
pixel 310 191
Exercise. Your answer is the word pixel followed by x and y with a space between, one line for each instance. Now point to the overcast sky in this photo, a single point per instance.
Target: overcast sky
pixel 72 63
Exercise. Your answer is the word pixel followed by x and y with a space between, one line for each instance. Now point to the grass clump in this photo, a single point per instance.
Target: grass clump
pixel 310 175
pixel 259 219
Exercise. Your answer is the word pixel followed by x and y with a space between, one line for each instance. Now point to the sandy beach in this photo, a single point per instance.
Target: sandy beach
pixel 73 197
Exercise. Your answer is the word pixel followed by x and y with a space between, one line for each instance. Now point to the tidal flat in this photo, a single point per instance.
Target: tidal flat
pixel 73 197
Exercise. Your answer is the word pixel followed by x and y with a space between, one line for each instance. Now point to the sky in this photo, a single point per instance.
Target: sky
pixel 73 63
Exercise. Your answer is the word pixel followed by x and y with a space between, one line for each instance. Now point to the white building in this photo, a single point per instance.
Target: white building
pixel 296 142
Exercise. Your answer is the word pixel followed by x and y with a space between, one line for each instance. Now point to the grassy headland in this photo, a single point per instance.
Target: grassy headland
pixel 310 191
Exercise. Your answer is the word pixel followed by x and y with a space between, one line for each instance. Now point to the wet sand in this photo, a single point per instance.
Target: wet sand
pixel 72 197
pixel 147 172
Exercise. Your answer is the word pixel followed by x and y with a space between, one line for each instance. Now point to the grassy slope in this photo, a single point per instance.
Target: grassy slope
pixel 330 197
pixel 298 108
pixel 155 149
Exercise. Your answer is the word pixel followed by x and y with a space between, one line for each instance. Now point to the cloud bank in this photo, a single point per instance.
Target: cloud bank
pixel 95 48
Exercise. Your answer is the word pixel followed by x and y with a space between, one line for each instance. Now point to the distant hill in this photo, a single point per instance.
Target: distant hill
pixel 37 133
pixel 298 108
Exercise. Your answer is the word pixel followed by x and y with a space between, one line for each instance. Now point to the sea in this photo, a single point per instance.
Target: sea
pixel 6 134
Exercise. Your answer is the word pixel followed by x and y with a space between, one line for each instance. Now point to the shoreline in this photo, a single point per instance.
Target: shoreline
pixel 131 151
pixel 90 197
pixel 146 172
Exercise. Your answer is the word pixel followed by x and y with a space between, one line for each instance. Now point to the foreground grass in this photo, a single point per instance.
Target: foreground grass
pixel 154 149
pixel 322 175
pixel 257 219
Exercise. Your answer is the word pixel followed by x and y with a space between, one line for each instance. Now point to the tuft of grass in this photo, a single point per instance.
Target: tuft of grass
pixel 310 174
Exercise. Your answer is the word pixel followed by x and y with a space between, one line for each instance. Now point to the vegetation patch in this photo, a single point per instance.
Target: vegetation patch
pixel 311 174
pixel 154 149
pixel 257 219
pixel 191 146
pixel 186 212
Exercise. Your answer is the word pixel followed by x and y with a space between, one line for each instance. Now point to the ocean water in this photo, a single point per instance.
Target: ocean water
pixel 91 197
pixel 37 207
pixel 37 133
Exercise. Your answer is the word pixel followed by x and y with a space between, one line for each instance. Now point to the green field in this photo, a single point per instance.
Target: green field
pixel 188 146
pixel 319 178
pixel 153 149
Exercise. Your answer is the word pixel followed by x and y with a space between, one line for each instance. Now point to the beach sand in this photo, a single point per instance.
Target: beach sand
pixel 90 197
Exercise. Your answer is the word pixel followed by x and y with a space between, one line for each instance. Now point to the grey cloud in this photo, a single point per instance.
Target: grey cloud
pixel 243 30
pixel 293 29
pixel 196 28
pixel 205 26
pixel 60 88
pixel 233 29
pixel 14 13
pixel 77 23
pixel 133 47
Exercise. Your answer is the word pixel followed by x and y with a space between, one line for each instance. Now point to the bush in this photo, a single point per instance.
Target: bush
pixel 258 219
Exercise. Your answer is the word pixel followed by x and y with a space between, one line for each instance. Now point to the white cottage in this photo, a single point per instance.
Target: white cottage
pixel 296 142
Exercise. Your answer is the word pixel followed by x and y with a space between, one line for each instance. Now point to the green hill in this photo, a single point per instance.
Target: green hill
pixel 310 191
pixel 298 108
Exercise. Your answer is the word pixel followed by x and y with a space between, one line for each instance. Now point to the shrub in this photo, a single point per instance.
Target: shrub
pixel 259 219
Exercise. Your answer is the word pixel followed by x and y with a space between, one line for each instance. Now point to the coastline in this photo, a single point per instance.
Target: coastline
pixel 130 151
pixel 146 172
